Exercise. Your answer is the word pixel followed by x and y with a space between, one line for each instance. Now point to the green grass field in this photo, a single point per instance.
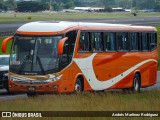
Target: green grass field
pixel 8 46
pixel 21 17
pixel 105 101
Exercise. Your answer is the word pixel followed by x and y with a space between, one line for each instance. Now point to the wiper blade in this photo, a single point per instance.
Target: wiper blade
pixel 40 64
pixel 26 60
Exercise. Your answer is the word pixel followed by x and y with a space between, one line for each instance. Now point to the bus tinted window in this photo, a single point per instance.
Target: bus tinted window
pixel 153 43
pixel 96 42
pixel 110 43
pixel 134 41
pixel 84 42
pixel 122 41
pixel 145 42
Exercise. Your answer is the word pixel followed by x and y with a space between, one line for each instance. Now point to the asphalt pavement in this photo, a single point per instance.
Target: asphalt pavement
pixel 147 21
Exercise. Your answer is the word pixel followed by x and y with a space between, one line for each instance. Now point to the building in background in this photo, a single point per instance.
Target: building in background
pixel 90 9
pixel 118 9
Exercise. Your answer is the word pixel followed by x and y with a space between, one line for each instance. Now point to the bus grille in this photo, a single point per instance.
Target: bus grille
pixel 31 82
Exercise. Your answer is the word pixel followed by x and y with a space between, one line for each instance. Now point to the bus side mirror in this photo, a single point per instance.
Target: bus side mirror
pixel 61 45
pixel 4 43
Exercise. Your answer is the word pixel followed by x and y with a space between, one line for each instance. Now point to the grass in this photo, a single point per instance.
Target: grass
pixel 158 28
pixel 8 46
pixel 107 101
pixel 23 17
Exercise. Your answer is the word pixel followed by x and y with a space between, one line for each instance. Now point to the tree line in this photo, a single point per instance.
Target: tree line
pixel 57 5
pixel 34 6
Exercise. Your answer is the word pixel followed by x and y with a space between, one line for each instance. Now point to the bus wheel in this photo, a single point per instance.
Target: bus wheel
pixel 6 86
pixel 136 83
pixel 78 86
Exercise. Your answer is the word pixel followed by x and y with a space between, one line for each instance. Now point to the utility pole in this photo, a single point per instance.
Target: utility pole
pixel 50 7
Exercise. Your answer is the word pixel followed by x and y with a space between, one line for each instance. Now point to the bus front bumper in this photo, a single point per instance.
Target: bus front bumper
pixel 33 88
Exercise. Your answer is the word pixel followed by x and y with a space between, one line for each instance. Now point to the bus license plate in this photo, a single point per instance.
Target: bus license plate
pixel 31 88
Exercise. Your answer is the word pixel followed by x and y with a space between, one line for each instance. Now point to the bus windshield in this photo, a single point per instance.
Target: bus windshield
pixel 33 55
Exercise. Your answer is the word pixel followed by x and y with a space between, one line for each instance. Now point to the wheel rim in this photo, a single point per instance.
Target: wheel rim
pixel 136 84
pixel 77 88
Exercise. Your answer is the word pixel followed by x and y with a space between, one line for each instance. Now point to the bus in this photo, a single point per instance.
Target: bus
pixel 64 57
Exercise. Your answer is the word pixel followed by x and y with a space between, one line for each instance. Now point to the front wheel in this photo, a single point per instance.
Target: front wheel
pixel 136 83
pixel 78 86
pixel 6 86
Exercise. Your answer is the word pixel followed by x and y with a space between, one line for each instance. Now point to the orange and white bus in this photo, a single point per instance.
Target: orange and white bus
pixel 59 57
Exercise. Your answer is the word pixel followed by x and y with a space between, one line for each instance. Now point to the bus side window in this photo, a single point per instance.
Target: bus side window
pixel 134 41
pixel 72 35
pixel 84 42
pixel 96 42
pixel 66 57
pixel 123 42
pixel 153 42
pixel 145 42
pixel 109 40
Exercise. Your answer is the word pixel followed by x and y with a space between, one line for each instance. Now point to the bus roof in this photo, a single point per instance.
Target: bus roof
pixel 55 26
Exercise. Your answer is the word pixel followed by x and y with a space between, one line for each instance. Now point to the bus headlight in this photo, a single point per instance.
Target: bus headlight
pixel 11 78
pixel 6 74
pixel 54 78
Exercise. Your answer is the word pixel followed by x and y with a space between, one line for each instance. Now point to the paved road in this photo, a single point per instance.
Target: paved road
pixel 4 95
pixel 4 27
pixel 134 21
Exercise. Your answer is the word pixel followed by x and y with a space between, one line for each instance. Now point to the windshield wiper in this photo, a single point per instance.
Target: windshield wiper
pixel 26 60
pixel 40 64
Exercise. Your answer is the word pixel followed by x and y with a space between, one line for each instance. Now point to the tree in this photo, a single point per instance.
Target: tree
pixel 69 4
pixel 108 9
pixel 157 6
pixel 31 6
pixel 125 3
pixel 62 4
pixel 109 2
pixel 3 7
pixel 11 4
pixel 57 6
pixel 145 4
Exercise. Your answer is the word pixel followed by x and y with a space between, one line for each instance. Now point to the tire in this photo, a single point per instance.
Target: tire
pixel 6 86
pixel 136 83
pixel 78 86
